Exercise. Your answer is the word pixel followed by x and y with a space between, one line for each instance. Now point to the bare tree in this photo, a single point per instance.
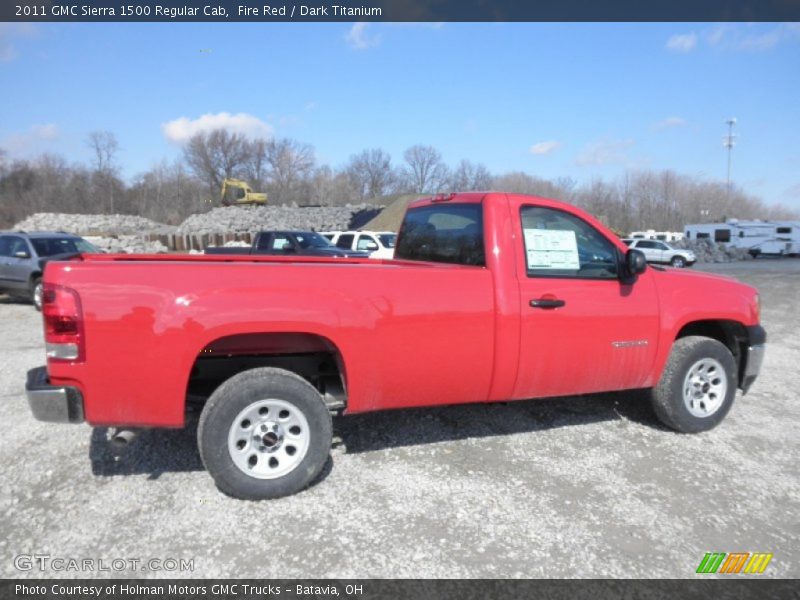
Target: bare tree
pixel 104 147
pixel 371 173
pixel 291 164
pixel 217 155
pixel 425 172
pixel 468 176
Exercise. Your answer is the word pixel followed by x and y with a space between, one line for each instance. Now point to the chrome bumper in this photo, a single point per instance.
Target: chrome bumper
pixel 55 404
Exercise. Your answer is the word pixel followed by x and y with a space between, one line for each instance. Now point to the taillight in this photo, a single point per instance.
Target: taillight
pixel 63 323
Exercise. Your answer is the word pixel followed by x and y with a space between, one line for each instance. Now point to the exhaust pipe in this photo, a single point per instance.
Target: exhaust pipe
pixel 121 438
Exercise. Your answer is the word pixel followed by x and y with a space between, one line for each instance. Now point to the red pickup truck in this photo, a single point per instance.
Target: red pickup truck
pixel 491 297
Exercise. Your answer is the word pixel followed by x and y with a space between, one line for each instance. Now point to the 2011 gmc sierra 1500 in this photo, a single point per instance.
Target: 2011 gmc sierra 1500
pixel 492 297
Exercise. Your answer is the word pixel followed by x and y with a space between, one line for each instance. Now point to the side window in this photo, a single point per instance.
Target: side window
pixel 367 243
pixel 703 236
pixel 12 244
pixel 345 241
pixel 280 242
pixel 722 235
pixel 661 247
pixel 647 245
pixel 558 244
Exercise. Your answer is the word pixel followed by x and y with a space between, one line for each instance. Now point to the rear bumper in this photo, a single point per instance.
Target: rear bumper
pixel 52 403
pixel 753 359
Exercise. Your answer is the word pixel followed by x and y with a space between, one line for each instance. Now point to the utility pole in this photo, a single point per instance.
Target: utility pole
pixel 729 141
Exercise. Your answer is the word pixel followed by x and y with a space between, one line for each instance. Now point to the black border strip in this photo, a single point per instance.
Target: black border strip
pixel 401 10
pixel 739 587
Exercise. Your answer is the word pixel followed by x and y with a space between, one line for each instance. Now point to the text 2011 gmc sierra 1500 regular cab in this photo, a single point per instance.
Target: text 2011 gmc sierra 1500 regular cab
pixel 492 297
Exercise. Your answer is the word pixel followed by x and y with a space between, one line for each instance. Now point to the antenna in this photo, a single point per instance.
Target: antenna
pixel 729 141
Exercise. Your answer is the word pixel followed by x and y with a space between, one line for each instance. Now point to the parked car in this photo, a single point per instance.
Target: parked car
pixel 491 297
pixel 661 252
pixel 379 244
pixel 291 243
pixel 23 256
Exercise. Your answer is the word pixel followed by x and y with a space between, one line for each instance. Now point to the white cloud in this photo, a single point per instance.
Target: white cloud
pixel 8 33
pixel 312 105
pixel 682 42
pixel 34 139
pixel 769 39
pixel 740 37
pixel 670 122
pixel 182 129
pixel 48 131
pixel 358 37
pixel 604 152
pixel 544 148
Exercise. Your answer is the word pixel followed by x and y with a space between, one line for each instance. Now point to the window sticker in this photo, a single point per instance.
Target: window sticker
pixel 551 249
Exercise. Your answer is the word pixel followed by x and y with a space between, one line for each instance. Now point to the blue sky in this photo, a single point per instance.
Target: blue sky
pixel 554 100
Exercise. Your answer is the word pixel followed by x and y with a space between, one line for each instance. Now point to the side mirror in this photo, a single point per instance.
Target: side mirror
pixel 22 254
pixel 287 247
pixel 371 247
pixel 635 262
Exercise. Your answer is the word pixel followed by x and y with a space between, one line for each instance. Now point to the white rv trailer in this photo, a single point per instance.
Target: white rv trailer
pixel 761 237
pixel 652 234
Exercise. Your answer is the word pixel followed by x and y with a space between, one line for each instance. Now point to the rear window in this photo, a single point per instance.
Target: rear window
pixel 448 233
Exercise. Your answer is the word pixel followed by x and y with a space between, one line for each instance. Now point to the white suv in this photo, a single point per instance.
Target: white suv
pixel 661 252
pixel 380 244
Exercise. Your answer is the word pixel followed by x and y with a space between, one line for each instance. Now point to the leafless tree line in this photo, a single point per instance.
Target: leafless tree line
pixel 288 171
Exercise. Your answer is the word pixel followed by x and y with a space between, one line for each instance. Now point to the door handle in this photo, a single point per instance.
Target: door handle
pixel 547 303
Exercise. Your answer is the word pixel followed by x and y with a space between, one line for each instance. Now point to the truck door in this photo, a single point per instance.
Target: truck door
pixel 583 329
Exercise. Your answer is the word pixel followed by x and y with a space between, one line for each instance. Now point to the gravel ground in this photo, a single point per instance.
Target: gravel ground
pixel 580 487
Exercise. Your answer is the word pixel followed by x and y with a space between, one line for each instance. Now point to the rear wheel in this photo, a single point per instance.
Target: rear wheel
pixel 697 387
pixel 264 433
pixel 678 262
pixel 36 293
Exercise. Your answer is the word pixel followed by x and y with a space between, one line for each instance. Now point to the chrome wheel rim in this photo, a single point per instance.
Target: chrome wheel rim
pixel 678 262
pixel 705 387
pixel 268 439
pixel 37 295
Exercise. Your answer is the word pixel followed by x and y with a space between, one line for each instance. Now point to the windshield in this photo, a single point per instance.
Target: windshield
pixel 388 239
pixel 312 240
pixel 53 246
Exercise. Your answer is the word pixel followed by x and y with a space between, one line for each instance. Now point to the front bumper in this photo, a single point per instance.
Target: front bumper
pixel 753 359
pixel 53 403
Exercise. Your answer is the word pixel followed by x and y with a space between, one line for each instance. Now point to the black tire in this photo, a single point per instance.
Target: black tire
pixel 35 298
pixel 668 395
pixel 678 262
pixel 234 396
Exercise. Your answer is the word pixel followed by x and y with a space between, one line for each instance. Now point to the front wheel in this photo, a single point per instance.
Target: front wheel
pixel 678 262
pixel 697 387
pixel 264 433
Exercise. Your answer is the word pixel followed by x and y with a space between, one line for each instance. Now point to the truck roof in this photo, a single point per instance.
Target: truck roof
pixel 41 234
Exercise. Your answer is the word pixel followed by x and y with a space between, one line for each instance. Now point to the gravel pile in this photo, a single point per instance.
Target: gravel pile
pixel 82 224
pixel 127 244
pixel 232 219
pixel 711 252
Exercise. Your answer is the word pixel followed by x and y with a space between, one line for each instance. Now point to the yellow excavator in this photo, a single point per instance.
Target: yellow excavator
pixel 240 193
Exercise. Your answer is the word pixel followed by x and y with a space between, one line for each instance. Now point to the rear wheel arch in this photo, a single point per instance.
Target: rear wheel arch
pixel 313 357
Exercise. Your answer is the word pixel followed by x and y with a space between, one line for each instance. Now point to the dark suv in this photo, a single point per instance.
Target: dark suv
pixel 23 256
